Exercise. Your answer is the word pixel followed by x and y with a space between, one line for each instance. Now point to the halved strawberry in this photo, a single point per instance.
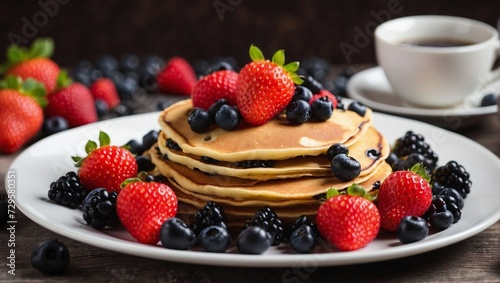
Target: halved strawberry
pixel 264 88
pixel 215 86
pixel 105 166
pixel 143 207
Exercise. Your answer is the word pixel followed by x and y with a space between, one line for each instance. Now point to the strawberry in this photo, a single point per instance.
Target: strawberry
pixel 33 63
pixel 217 85
pixel 143 207
pixel 105 166
pixel 326 93
pixel 264 88
pixel 177 77
pixel 348 221
pixel 21 113
pixel 73 101
pixel 403 193
pixel 105 89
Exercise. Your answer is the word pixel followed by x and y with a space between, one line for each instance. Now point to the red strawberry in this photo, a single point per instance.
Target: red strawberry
pixel 217 85
pixel 72 101
pixel 177 77
pixel 326 93
pixel 21 114
pixel 105 166
pixel 403 193
pixel 349 222
pixel 33 63
pixel 264 88
pixel 105 89
pixel 143 207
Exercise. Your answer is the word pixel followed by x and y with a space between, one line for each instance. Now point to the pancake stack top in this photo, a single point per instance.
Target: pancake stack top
pixel 277 164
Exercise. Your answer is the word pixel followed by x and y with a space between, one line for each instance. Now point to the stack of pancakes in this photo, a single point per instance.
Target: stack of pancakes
pixel 293 172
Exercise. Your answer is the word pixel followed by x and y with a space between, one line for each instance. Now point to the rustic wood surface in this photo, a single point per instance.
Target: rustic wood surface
pixel 476 259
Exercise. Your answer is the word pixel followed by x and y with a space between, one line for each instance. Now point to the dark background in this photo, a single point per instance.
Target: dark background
pixel 198 30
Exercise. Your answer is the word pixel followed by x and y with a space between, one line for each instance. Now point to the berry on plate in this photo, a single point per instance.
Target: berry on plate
pixel 33 63
pixel 177 77
pixel 143 207
pixel 403 193
pixel 73 101
pixel 21 115
pixel 215 86
pixel 105 166
pixel 348 221
pixel 264 88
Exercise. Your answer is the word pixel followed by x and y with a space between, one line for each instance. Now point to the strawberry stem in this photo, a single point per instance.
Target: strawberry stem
pixel 29 87
pixel 279 59
pixel 40 48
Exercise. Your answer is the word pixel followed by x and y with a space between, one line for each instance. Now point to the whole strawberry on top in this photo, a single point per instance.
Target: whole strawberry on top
pixel 177 77
pixel 143 207
pixel 34 63
pixel 264 88
pixel 21 113
pixel 105 166
pixel 73 101
pixel 348 221
pixel 215 86
pixel 403 193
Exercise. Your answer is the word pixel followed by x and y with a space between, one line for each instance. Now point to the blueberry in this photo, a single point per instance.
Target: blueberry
pixel 144 163
pixel 453 208
pixel 126 88
pixel 322 109
pixel 216 106
pixel 345 168
pixel 199 120
pixel 135 147
pixel 152 63
pixel 149 139
pixel 50 257
pixel 298 112
pixel 201 67
pixel 412 229
pixel 335 150
pixel 221 65
pixel 123 109
pixel 175 234
pixel 488 100
pixel 340 83
pixel 82 76
pixel 312 84
pixel 391 158
pixel 302 93
pixel 129 62
pixel 4 213
pixel 106 63
pixel 441 220
pixel 224 62
pixel 214 239
pixel 413 159
pixel 316 67
pixel 101 107
pixel 95 74
pixel 253 240
pixel 227 118
pixel 54 124
pixel 303 239
pixel 162 104
pixel 357 107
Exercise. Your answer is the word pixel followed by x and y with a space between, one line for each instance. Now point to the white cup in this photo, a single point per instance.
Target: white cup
pixel 435 76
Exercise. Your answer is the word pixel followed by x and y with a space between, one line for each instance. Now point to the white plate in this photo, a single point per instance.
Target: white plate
pixel 372 88
pixel 49 158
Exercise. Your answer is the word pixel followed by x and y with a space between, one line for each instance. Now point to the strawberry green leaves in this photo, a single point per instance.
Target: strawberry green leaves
pixel 41 48
pixel 279 59
pixel 352 190
pixel 29 87
pixel 104 140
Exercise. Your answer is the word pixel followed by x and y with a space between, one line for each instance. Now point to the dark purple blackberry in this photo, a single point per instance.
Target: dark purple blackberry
pixel 255 163
pixel 173 145
pixel 99 209
pixel 209 215
pixel 453 175
pixel 268 220
pixel 415 143
pixel 67 190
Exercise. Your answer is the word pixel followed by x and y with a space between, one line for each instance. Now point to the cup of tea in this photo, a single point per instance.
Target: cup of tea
pixel 436 61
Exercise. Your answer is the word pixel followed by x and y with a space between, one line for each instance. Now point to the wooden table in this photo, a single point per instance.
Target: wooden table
pixel 476 259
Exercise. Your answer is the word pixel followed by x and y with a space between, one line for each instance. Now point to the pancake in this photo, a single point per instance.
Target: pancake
pixel 371 149
pixel 278 139
pixel 245 189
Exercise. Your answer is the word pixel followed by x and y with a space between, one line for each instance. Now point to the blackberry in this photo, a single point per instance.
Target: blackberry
pixel 173 145
pixel 209 215
pixel 268 220
pixel 67 190
pixel 412 142
pixel 255 163
pixel 99 209
pixel 453 175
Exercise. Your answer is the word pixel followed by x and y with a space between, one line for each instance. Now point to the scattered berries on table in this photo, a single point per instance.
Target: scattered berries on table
pixel 50 257
pixel 104 89
pixel 99 209
pixel 176 77
pixel 67 190
pixel 54 124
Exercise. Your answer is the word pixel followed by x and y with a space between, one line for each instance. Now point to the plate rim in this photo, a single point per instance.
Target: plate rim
pixel 235 259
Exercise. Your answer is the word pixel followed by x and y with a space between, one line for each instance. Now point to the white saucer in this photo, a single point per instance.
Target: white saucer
pixel 371 88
